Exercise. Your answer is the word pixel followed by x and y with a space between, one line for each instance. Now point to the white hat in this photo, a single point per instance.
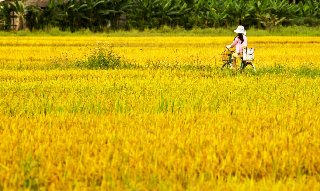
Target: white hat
pixel 240 29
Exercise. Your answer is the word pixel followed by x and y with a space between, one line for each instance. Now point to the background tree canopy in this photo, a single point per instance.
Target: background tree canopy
pixel 99 15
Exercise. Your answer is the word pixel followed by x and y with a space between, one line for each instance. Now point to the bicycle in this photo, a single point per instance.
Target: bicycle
pixel 246 59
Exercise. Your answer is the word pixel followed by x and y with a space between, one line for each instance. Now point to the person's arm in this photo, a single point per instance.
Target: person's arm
pixel 234 43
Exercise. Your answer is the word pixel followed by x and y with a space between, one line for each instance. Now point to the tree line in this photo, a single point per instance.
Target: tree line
pixel 100 15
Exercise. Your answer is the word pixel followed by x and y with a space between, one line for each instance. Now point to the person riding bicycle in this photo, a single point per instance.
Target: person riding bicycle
pixel 239 42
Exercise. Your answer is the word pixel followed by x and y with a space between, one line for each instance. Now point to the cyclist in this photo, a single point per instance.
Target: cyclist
pixel 239 42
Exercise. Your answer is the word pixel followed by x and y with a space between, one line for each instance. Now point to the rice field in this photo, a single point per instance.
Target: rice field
pixel 158 113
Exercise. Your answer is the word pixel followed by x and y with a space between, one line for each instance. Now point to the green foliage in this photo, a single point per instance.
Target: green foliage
pixel 33 17
pixel 103 59
pixel 156 13
pixel 100 15
pixel 5 9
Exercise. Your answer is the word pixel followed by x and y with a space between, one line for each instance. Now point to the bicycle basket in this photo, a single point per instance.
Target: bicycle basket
pixel 248 54
pixel 225 55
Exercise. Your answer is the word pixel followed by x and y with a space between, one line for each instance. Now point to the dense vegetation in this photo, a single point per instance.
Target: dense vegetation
pixel 99 15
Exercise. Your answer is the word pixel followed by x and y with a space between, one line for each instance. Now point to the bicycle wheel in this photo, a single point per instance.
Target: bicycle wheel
pixel 225 65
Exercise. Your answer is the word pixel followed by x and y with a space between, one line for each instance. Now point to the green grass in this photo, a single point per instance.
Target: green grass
pixel 167 31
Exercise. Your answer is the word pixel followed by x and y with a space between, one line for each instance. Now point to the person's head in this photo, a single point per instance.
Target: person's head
pixel 240 30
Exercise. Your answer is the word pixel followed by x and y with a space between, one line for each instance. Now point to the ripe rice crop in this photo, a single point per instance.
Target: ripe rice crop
pixel 165 117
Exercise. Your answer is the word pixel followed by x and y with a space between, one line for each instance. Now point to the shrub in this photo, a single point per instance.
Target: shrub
pixel 101 58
